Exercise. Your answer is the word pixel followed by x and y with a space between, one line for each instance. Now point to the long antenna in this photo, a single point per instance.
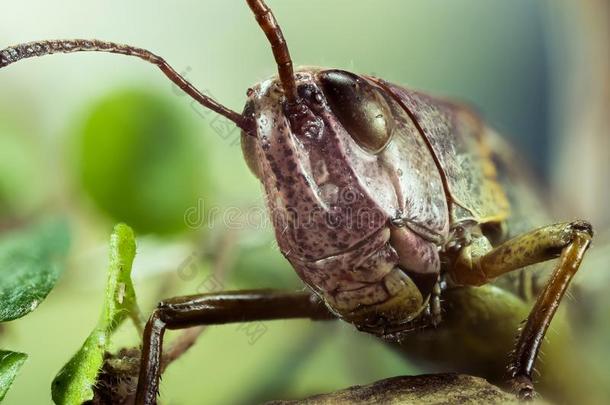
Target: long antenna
pixel 266 20
pixel 40 48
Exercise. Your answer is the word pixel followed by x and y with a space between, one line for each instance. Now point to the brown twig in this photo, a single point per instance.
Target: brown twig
pixel 423 389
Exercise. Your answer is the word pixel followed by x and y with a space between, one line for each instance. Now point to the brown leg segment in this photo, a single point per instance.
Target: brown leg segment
pixel 216 309
pixel 540 317
pixel 569 241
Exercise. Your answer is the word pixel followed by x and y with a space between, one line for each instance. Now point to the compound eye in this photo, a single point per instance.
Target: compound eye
pixel 361 108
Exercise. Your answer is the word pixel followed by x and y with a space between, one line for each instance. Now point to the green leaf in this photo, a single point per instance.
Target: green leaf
pixel 30 265
pixel 74 383
pixel 142 161
pixel 10 363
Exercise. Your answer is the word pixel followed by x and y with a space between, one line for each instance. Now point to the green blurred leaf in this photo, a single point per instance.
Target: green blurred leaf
pixel 10 363
pixel 74 383
pixel 23 186
pixel 141 160
pixel 30 265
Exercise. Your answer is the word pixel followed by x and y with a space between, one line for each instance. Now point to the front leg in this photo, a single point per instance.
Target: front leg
pixel 216 309
pixel 477 265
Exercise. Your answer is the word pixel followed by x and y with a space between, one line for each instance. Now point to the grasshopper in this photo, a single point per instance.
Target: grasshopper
pixel 383 199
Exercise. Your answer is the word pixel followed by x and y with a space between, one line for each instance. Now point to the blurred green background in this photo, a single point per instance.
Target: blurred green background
pixel 106 138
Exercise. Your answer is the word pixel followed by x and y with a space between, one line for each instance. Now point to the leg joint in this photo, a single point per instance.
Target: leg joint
pixel 581 226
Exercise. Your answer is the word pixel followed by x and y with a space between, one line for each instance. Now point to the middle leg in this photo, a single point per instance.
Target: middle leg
pixel 477 265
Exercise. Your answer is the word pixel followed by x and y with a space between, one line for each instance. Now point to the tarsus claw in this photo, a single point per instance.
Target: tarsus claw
pixel 524 388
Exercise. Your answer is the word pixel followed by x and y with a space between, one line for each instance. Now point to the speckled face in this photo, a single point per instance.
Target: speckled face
pixel 338 170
